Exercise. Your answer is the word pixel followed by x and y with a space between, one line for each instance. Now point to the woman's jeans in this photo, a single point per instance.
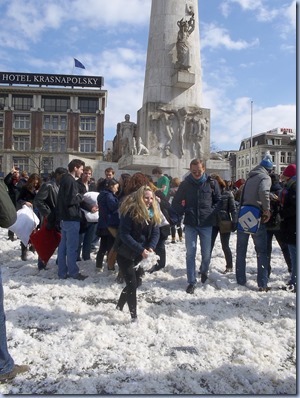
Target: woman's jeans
pixel 191 236
pixel 260 244
pixel 225 245
pixel 6 361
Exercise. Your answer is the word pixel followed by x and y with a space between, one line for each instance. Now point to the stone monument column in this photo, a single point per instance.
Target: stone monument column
pixel 171 123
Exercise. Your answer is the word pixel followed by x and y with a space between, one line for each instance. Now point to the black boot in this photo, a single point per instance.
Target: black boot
pixel 99 260
pixel 23 252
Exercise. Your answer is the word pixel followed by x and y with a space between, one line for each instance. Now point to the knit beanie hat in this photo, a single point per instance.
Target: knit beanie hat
pixel 267 162
pixel 290 170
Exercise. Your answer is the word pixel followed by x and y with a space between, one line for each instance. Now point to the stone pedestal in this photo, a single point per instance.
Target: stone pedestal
pixel 172 123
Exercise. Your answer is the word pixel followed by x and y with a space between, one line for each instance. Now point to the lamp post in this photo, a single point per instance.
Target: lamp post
pixel 251 126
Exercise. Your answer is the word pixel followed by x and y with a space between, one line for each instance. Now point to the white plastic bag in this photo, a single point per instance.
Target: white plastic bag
pixel 26 222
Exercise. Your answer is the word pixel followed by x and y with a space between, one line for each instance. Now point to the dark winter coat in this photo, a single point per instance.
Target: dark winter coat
pixel 199 202
pixel 288 213
pixel 45 201
pixel 137 236
pixel 68 199
pixel 228 210
pixel 108 204
pixel 12 185
pixel 8 214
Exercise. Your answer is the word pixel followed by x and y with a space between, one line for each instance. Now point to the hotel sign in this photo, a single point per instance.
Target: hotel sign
pixel 51 80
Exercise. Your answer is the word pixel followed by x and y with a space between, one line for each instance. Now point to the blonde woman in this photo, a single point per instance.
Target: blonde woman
pixel 138 234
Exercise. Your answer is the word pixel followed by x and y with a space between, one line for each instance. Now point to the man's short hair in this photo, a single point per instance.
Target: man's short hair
pixel 60 171
pixel 196 162
pixel 157 170
pixel 109 170
pixel 75 163
pixel 88 168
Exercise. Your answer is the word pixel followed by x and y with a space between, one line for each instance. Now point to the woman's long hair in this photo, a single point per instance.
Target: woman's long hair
pixel 134 205
pixel 31 182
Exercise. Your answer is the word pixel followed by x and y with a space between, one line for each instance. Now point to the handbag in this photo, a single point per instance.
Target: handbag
pixel 225 226
pixel 249 219
pixel 45 241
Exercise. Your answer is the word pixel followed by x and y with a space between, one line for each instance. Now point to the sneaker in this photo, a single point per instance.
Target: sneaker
pixel 134 320
pixel 17 369
pixel 173 241
pixel 190 289
pixel 203 278
pixel 264 289
pixel 289 288
pixel 80 277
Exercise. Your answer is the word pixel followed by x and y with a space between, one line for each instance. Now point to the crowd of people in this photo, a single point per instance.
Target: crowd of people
pixel 128 218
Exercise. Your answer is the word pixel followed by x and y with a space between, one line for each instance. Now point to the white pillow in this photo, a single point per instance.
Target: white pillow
pixel 26 222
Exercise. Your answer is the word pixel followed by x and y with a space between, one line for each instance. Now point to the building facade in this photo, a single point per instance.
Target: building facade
pixel 42 127
pixel 280 142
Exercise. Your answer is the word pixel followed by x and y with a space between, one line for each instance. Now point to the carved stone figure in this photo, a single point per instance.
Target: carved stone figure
pixel 141 148
pixel 197 131
pixel 182 45
pixel 168 130
pixel 127 133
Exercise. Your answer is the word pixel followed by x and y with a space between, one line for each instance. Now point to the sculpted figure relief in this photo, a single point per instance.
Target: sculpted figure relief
pixel 141 148
pixel 127 133
pixel 182 45
pixel 198 128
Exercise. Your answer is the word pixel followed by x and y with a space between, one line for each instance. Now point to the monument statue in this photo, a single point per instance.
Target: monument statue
pixel 182 45
pixel 127 133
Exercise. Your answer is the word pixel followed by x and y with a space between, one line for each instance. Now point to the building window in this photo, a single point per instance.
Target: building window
pixel 22 102
pixel 54 143
pixel 88 105
pixel 3 101
pixel 269 141
pixel 87 144
pixel 282 157
pixel 22 163
pixel 22 122
pixel 289 157
pixel 47 165
pixel 1 120
pixel 1 141
pixel 87 123
pixel 21 142
pixel 55 104
pixel 52 122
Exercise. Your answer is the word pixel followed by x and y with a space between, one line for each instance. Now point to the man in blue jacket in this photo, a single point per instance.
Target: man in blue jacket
pixel 197 198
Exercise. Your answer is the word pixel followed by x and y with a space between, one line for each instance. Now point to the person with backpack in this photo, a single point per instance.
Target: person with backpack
pixel 198 198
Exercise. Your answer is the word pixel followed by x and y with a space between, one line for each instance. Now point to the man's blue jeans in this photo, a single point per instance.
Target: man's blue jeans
pixel 260 244
pixel 6 361
pixel 191 236
pixel 68 249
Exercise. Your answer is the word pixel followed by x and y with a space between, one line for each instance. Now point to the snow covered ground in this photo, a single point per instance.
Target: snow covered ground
pixel 224 339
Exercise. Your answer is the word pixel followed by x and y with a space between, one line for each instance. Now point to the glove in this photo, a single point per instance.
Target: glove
pixel 234 226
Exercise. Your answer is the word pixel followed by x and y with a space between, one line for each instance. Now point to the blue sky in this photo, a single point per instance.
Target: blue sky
pixel 248 53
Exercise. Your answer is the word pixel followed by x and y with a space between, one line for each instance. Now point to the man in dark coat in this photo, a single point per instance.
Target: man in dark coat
pixel 197 197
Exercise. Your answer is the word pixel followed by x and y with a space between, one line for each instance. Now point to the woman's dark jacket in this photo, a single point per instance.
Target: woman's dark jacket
pixel 108 204
pixel 138 236
pixel 227 208
pixel 288 225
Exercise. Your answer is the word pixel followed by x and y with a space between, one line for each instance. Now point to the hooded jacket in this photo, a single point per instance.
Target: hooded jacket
pixel 256 191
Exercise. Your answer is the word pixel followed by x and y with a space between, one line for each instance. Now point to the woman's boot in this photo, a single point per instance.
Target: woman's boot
pixel 99 260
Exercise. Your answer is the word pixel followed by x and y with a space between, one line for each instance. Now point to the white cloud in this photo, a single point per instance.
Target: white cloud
pixel 213 36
